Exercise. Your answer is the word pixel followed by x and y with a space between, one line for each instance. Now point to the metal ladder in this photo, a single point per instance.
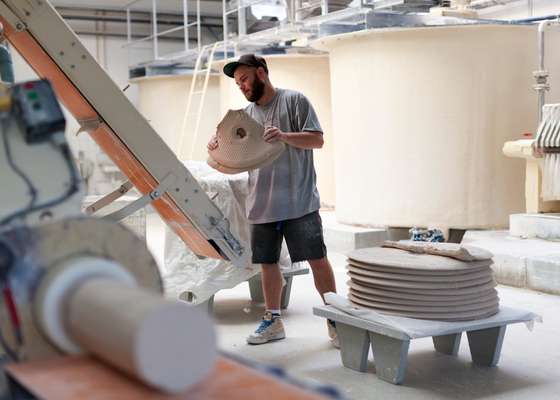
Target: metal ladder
pixel 201 75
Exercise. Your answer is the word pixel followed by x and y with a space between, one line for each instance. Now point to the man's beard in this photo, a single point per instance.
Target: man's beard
pixel 257 90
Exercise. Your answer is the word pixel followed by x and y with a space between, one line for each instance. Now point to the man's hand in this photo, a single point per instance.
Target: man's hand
pixel 273 134
pixel 213 143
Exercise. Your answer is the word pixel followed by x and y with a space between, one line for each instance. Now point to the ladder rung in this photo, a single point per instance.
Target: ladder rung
pixel 191 24
pixel 198 92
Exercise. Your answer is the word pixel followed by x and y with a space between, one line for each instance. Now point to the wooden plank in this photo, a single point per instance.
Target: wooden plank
pixel 84 378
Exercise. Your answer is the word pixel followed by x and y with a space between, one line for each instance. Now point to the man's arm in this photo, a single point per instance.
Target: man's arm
pixel 301 140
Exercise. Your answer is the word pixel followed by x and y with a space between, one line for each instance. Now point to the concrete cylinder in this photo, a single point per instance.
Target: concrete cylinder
pixel 308 74
pixel 162 100
pixel 421 118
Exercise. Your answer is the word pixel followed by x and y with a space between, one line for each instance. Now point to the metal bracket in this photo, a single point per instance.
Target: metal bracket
pixel 108 199
pixel 222 231
pixel 143 201
pixel 89 125
pixel 12 18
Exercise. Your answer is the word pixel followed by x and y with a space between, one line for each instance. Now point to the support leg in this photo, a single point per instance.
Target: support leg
pixel 255 288
pixel 207 305
pixel 486 345
pixel 286 290
pixel 354 346
pixel 447 344
pixel 390 357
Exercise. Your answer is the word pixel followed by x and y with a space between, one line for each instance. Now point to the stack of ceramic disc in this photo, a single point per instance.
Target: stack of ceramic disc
pixel 425 286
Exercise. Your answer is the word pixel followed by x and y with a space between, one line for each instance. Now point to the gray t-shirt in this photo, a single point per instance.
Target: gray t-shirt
pixel 285 189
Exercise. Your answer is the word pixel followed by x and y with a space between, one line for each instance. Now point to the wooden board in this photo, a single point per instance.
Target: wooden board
pixel 83 378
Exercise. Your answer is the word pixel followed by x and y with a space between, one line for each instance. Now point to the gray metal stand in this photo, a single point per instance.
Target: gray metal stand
pixel 255 286
pixel 486 345
pixel 447 344
pixel 390 344
pixel 256 291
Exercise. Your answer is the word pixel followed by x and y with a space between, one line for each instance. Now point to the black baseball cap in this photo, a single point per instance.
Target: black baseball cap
pixel 250 60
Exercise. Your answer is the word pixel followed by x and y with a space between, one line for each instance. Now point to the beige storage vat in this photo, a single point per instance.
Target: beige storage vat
pixel 421 116
pixel 163 101
pixel 308 74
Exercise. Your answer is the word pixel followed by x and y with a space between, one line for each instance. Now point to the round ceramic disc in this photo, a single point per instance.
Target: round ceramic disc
pixel 365 281
pixel 241 145
pixel 454 316
pixel 429 301
pixel 440 307
pixel 417 272
pixel 478 273
pixel 410 261
pixel 383 292
pixel 364 275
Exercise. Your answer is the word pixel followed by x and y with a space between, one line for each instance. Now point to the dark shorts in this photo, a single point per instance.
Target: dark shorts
pixel 304 238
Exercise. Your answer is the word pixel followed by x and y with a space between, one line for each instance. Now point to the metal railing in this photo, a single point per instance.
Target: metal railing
pixel 184 25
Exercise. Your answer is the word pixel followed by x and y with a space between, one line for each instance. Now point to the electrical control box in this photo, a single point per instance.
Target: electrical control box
pixel 37 110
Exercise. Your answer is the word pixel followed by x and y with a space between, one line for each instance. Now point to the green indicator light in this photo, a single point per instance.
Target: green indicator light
pixel 32 96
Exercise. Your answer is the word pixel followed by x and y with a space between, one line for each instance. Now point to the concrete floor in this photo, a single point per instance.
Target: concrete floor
pixel 529 367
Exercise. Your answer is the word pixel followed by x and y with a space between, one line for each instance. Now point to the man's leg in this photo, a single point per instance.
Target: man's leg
pixel 304 237
pixel 266 243
pixel 272 285
pixel 323 276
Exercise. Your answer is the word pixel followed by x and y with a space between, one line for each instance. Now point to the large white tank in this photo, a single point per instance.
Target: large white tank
pixel 308 74
pixel 420 119
pixel 163 101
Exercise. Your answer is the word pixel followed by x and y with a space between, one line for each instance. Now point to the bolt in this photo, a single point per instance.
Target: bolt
pixel 177 189
pixel 61 53
pixel 83 57
pixel 46 215
pixel 196 190
pixel 72 66
pixel 156 193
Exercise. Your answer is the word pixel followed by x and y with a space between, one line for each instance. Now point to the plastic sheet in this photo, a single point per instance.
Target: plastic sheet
pixel 184 271
pixel 419 328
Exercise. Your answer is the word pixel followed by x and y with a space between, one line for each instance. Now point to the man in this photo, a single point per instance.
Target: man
pixel 283 200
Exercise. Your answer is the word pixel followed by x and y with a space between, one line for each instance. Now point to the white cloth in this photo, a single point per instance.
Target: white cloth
pixel 184 271
pixel 418 328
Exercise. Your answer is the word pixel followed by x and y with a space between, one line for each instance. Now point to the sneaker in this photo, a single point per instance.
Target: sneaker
pixel 271 328
pixel 331 326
